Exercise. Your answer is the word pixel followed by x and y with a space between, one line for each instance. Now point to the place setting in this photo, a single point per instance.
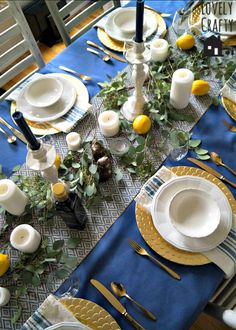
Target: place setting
pixel 119 26
pixel 51 103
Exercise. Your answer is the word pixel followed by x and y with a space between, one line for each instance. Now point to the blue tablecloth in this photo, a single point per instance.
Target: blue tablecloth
pixel 176 304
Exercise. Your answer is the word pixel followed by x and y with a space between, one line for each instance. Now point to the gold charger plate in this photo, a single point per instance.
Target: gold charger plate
pixel 119 45
pixel 230 107
pixel 90 314
pixel 155 240
pixel 47 128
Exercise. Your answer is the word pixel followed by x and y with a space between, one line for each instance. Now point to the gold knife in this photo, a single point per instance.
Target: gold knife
pixel 115 303
pixel 13 130
pixel 211 171
pixel 104 50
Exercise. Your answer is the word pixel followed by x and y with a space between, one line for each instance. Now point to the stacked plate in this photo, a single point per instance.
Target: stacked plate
pixel 121 24
pixel 47 98
pixel 192 213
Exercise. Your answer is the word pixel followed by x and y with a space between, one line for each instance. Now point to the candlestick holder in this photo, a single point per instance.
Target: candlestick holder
pixel 137 54
pixel 43 160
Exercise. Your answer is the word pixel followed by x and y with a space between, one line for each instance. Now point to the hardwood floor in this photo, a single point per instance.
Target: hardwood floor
pixel 204 322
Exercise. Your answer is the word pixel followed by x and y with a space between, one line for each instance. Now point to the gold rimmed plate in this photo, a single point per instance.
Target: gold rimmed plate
pixel 155 240
pixel 90 314
pixel 119 45
pixel 230 107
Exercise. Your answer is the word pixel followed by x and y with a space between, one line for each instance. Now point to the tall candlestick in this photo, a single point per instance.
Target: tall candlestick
pixel 22 124
pixel 12 198
pixel 139 21
pixel 25 238
pixel 181 87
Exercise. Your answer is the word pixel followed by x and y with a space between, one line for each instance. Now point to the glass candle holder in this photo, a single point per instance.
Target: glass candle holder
pixel 178 144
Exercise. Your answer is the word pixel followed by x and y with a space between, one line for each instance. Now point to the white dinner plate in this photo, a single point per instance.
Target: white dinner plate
pixel 115 33
pixel 161 220
pixel 68 326
pixel 52 112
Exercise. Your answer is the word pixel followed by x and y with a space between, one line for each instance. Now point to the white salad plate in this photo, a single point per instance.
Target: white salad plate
pixel 161 219
pixel 115 24
pixel 194 213
pixel 68 326
pixel 56 110
pixel 43 92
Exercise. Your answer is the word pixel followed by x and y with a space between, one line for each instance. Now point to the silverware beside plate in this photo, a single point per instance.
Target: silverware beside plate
pixel 77 74
pixel 120 291
pixel 13 130
pixel 211 171
pixel 105 58
pixel 104 50
pixel 115 303
pixel 218 161
pixel 140 250
pixel 10 138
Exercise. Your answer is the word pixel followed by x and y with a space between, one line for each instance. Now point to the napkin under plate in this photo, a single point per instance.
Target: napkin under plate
pixel 67 122
pixel 224 255
pixel 51 312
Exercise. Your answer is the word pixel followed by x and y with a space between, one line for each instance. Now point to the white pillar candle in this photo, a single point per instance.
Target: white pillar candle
pixel 109 123
pixel 73 141
pixel 159 50
pixel 12 199
pixel 181 87
pixel 25 238
pixel 4 296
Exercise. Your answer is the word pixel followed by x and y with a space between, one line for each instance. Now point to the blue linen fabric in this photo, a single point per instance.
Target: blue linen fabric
pixel 176 303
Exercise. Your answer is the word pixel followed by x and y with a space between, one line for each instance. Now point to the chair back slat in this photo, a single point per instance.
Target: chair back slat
pixel 67 18
pixel 19 49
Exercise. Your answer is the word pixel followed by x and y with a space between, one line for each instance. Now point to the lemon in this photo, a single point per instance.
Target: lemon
pixel 4 263
pixel 185 42
pixel 142 124
pixel 200 87
pixel 57 161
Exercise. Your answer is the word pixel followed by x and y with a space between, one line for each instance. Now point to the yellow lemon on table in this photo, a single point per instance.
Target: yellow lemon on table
pixel 185 42
pixel 57 161
pixel 200 87
pixel 142 124
pixel 4 263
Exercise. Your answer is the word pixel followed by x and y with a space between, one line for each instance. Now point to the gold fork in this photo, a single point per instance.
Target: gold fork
pixel 230 127
pixel 140 250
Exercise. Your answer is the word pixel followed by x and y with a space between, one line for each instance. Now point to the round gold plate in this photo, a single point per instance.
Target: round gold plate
pixel 194 18
pixel 155 240
pixel 119 45
pixel 230 107
pixel 90 314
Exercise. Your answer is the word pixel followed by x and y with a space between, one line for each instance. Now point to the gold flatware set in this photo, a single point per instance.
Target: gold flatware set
pixel 16 133
pixel 230 127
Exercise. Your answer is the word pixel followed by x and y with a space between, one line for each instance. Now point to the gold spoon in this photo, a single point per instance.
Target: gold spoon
pixel 105 58
pixel 218 161
pixel 120 291
pixel 10 138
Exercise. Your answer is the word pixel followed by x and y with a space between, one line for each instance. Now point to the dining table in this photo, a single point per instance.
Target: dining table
pixel 177 304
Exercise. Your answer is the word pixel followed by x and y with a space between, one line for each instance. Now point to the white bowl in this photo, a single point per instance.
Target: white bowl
pixel 194 213
pixel 125 21
pixel 43 92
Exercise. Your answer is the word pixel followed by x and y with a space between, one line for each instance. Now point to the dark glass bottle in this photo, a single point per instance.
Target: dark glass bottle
pixel 69 207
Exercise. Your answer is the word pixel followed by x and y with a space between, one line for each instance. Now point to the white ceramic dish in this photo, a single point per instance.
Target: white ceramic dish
pixel 57 110
pixel 115 32
pixel 161 219
pixel 68 326
pixel 126 21
pixel 43 92
pixel 194 213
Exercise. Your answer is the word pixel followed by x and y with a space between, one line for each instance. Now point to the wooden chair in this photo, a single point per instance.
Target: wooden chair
pixel 73 13
pixel 18 47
